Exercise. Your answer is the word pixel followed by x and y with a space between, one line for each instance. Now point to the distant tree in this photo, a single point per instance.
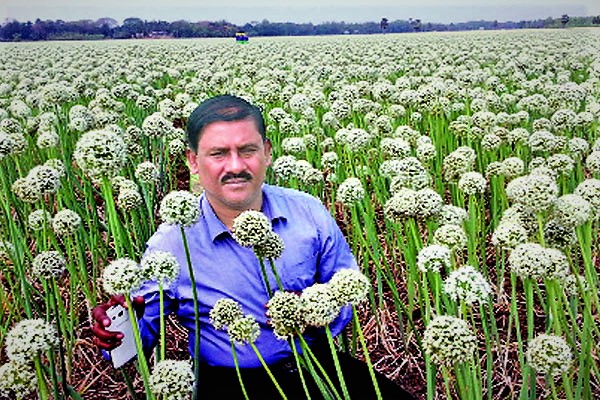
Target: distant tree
pixel 564 20
pixel 596 20
pixel 415 23
pixel 384 24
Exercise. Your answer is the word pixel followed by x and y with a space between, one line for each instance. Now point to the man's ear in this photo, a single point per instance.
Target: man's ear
pixel 268 148
pixel 192 160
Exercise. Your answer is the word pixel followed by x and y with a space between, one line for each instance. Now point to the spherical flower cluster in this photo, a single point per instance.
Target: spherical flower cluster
pixel 272 248
pixel 558 235
pixel 66 222
pixel 589 189
pixel 48 264
pixel 160 266
pixel 429 203
pixel 100 153
pixel 57 165
pixel 319 305
pixel 509 235
pixel 180 207
pixel 433 258
pixel 293 145
pixel 425 151
pixel 146 172
pixel 541 141
pixel 409 173
pixel 251 228
pixel 349 286
pixel 513 167
pixel 490 141
pixel 17 379
pixel 468 285
pixel 559 265
pixel 329 160
pixel 458 162
pixel 284 311
pixel 172 380
pixel 155 125
pixel 578 147
pixel 350 191
pixel 549 354
pixel 39 219
pixel 472 183
pixel 29 338
pixel 224 312
pixel 394 147
pixel 561 164
pixel 312 176
pixel 535 192
pixel 592 162
pixel 450 214
pixel 44 178
pixel 244 330
pixel 530 261
pixel 122 276
pixel 452 236
pixel 575 284
pixel 572 210
pixel 129 199
pixel 285 166
pixel 26 190
pixel 449 340
pixel 402 205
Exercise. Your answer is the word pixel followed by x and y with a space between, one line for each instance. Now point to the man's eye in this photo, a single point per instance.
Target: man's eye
pixel 217 154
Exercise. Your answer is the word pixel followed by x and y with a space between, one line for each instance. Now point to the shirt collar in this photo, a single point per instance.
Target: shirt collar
pixel 270 207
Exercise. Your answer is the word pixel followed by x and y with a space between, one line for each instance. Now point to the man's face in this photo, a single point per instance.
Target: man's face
pixel 231 164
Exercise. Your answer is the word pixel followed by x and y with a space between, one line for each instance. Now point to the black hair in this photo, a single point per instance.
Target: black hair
pixel 222 108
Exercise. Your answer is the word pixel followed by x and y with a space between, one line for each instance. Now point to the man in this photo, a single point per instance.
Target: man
pixel 230 154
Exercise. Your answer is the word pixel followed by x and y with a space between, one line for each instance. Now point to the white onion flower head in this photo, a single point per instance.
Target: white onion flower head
pixel 28 338
pixel 575 285
pixel 468 285
pixel 530 261
pixel 129 199
pixel 536 192
pixel 429 203
pixel 472 183
pixel 272 248
pixel 329 160
pixel 513 167
pixel 558 235
pixel 452 236
pixel 285 166
pixel 350 191
pixel 589 189
pixel 122 276
pixel 100 153
pixel 48 264
pixel 146 172
pixel 509 235
pixel 433 258
pixel 45 178
pixel 349 286
pixel 224 312
pixel 172 380
pixel 592 162
pixel 284 311
pixel 17 379
pixel 549 354
pixel 561 164
pixel 66 222
pixel 180 207
pixel 449 340
pixel 251 228
pixel 26 190
pixel 244 330
pixel 559 265
pixel 403 204
pixel 572 210
pixel 161 266
pixel 39 219
pixel 450 214
pixel 319 305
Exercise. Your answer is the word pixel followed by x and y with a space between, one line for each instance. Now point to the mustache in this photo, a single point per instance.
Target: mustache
pixel 242 175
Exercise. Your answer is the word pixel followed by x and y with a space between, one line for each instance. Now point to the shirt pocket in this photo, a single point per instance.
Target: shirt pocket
pixel 298 275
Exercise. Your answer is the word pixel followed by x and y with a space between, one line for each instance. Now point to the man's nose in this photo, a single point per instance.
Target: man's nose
pixel 235 163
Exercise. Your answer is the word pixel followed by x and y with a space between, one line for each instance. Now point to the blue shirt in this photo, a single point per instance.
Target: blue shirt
pixel 315 249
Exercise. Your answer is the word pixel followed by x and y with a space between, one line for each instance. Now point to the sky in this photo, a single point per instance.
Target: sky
pixel 315 11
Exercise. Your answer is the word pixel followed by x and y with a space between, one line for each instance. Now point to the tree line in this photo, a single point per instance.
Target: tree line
pixel 108 28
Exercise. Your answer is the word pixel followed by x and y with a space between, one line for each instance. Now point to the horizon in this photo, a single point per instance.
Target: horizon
pixel 311 11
